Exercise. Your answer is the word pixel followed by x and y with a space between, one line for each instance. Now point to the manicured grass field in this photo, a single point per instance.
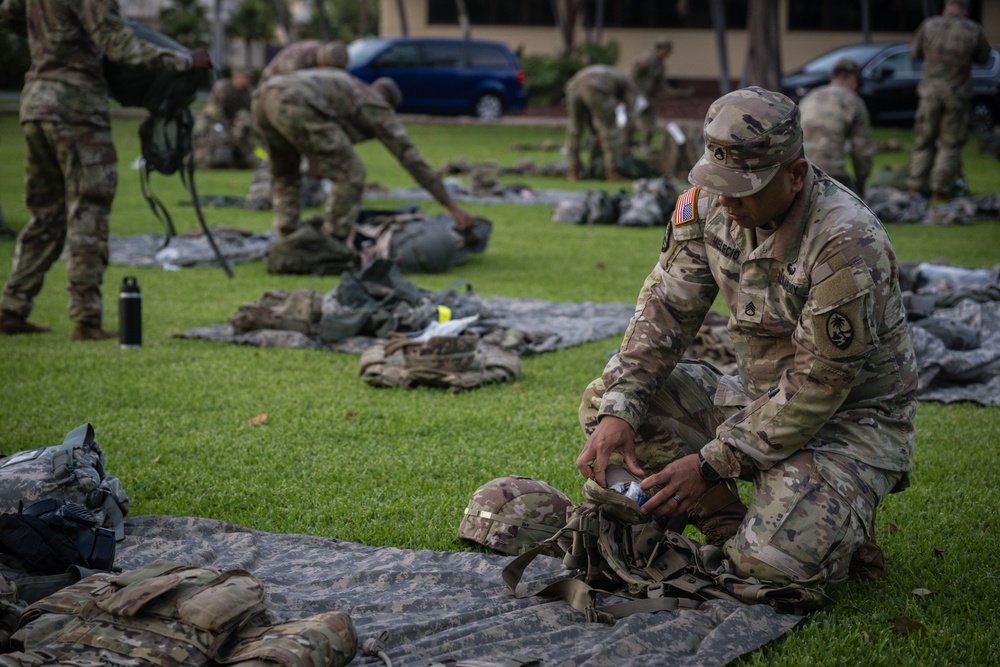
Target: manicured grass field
pixel 390 467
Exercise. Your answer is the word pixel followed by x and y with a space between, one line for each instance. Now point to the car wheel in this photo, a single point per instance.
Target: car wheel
pixel 489 107
pixel 982 118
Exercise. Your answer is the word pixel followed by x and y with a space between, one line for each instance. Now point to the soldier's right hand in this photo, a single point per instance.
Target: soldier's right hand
pixel 612 435
pixel 201 59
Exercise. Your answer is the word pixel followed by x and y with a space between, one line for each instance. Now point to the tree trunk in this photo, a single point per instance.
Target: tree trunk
pixel 560 27
pixel 463 18
pixel 403 27
pixel 218 38
pixel 866 21
pixel 362 18
pixel 599 23
pixel 285 19
pixel 718 11
pixel 324 20
pixel 763 66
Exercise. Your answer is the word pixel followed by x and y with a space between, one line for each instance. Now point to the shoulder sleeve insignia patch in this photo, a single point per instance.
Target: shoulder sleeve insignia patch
pixel 687 207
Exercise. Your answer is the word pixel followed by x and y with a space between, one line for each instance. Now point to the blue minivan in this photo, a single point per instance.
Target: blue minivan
pixel 444 76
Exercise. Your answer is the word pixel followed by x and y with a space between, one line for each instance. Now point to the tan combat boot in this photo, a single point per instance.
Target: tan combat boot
pixel 86 332
pixel 12 324
pixel 719 513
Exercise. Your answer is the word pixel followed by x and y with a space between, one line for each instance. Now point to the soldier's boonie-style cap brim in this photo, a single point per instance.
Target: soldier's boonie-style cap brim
pixel 749 134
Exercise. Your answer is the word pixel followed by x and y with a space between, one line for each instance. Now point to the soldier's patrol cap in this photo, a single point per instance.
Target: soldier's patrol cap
pixel 389 90
pixel 749 134
pixel 334 54
pixel 663 43
pixel 846 66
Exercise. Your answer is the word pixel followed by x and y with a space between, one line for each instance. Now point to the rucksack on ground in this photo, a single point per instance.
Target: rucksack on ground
pixel 72 471
pixel 611 548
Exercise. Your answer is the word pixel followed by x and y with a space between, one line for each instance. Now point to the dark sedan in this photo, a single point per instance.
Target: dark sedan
pixel 889 81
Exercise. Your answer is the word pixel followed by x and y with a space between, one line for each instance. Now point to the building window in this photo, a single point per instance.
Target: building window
pixel 667 15
pixel 492 12
pixel 661 14
pixel 845 15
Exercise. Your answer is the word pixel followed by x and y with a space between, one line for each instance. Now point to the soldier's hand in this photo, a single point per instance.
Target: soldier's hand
pixel 201 59
pixel 612 435
pixel 462 219
pixel 680 485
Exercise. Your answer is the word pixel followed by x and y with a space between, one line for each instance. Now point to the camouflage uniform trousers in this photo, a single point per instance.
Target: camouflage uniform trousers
pixel 808 514
pixel 940 131
pixel 645 125
pixel 70 177
pixel 587 112
pixel 289 130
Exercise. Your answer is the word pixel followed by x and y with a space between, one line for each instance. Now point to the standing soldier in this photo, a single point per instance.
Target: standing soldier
pixel 649 74
pixel 948 44
pixel 592 95
pixel 223 136
pixel 321 114
pixel 306 55
pixel 835 123
pixel 70 165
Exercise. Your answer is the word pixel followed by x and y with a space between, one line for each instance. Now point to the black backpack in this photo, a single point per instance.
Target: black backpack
pixel 166 131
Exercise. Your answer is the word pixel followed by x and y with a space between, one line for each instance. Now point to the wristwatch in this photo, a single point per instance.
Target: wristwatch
pixel 708 473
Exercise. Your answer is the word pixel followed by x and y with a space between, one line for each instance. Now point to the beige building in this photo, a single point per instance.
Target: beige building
pixel 804 27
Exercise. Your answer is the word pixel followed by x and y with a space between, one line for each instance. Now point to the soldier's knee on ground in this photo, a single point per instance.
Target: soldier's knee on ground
pixel 746 565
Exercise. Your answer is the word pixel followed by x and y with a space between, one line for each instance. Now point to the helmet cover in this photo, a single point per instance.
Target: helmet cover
pixel 512 514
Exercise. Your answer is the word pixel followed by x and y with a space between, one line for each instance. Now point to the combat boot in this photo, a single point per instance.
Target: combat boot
pixel 719 513
pixel 86 332
pixel 12 324
pixel 867 563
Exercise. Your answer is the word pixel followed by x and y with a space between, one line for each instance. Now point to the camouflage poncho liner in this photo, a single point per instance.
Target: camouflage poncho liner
pixel 439 605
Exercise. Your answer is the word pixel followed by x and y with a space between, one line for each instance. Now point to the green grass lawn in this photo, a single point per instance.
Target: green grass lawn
pixel 390 467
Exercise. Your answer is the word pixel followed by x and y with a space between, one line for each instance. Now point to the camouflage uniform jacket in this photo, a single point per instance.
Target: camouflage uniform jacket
pixel 834 116
pixel 225 101
pixel 360 112
pixel 649 73
pixel 948 45
pixel 67 38
pixel 299 55
pixel 825 360
pixel 602 81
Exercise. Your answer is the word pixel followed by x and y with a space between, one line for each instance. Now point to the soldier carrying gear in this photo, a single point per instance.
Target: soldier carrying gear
pixel 513 514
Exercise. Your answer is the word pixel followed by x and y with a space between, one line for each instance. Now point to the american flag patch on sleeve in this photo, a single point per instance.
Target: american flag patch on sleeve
pixel 686 207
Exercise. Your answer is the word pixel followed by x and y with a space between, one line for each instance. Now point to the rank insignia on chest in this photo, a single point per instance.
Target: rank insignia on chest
pixel 686 208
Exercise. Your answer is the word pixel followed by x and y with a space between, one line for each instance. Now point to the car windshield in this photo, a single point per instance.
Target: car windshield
pixel 860 54
pixel 360 51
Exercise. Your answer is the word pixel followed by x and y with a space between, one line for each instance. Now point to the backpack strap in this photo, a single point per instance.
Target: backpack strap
pixel 187 178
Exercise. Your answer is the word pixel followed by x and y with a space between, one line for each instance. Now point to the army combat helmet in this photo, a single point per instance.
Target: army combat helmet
pixel 511 514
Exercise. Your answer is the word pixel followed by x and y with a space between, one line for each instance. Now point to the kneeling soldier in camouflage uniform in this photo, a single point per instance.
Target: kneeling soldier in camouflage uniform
pixel 820 415
pixel 223 136
pixel 591 98
pixel 321 114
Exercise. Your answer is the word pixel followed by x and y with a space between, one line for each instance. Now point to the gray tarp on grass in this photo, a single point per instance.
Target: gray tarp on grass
pixel 552 326
pixel 440 605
